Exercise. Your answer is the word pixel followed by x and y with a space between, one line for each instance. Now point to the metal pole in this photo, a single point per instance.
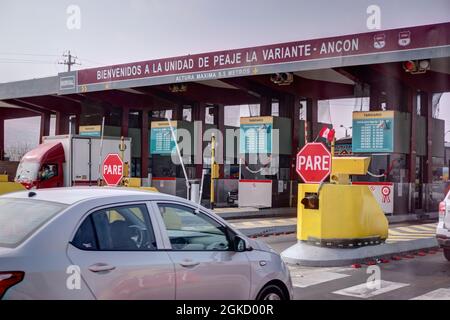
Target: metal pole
pixel 100 175
pixel 213 141
pixel 181 159
pixel 70 124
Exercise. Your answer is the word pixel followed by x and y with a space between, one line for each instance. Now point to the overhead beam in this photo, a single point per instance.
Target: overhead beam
pixel 53 103
pixel 122 98
pixel 166 97
pixel 254 88
pixel 213 95
pixel 308 88
pixel 16 113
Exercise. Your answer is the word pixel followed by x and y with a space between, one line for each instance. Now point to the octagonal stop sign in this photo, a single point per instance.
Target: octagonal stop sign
pixel 112 169
pixel 313 162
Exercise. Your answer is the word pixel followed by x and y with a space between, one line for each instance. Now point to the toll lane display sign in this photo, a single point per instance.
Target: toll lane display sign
pixel 313 163
pixel 373 131
pixel 161 140
pixel 256 135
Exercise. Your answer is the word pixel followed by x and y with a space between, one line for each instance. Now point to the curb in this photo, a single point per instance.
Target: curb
pixel 268 231
pixel 312 256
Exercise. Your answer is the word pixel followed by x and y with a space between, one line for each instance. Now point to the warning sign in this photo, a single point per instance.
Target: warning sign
pixel 383 192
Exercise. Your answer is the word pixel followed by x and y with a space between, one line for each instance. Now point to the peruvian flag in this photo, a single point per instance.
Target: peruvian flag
pixel 327 133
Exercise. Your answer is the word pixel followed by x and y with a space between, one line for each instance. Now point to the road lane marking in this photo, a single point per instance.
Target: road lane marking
pixel 438 294
pixel 304 279
pixel 364 292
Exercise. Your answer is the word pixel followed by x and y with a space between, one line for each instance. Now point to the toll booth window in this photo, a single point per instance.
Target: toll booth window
pixel 48 171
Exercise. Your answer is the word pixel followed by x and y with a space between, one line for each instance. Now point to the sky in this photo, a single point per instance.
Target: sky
pixel 34 34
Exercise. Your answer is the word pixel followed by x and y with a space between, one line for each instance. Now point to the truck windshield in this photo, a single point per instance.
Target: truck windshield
pixel 20 218
pixel 27 171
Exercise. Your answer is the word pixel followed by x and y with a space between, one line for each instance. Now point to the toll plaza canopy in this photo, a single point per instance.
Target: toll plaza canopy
pixel 368 64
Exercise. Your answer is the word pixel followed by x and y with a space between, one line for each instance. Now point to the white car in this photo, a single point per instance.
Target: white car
pixel 443 228
pixel 112 243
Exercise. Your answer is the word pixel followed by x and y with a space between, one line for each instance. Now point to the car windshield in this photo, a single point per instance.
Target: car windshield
pixel 20 218
pixel 27 171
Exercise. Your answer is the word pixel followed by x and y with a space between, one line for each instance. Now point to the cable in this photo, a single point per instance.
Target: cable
pixel 375 175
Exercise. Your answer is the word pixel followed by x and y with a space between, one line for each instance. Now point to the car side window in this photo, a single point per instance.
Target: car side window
pixel 85 238
pixel 191 231
pixel 122 228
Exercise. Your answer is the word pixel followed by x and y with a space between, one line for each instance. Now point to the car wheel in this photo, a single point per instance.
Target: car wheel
pixel 271 292
pixel 447 254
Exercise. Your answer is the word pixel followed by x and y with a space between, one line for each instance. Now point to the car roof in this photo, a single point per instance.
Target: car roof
pixel 73 195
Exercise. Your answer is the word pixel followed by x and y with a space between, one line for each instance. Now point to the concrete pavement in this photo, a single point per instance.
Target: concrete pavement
pixel 401 239
pixel 418 277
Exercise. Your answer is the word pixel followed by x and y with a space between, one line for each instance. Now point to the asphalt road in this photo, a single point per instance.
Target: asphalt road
pixel 421 277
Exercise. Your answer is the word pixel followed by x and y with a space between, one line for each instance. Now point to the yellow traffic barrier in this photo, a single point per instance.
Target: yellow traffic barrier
pixel 7 187
pixel 338 213
pixel 136 184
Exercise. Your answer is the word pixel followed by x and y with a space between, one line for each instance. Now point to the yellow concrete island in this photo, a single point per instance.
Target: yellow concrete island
pixel 339 214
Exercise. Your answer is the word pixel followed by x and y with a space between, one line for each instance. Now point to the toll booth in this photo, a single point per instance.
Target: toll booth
pixel 166 172
pixel 385 137
pixel 265 157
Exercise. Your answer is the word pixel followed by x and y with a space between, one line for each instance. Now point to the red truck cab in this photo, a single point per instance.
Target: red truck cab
pixel 42 167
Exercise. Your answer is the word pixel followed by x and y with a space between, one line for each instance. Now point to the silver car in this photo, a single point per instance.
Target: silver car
pixel 112 243
pixel 443 227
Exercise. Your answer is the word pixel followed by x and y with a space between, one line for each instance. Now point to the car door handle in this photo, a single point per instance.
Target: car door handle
pixel 99 267
pixel 189 263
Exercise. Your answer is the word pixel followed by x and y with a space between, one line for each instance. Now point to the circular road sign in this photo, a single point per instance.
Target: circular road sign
pixel 313 162
pixel 112 169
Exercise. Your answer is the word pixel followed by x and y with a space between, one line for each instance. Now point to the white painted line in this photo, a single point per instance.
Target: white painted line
pixel 313 278
pixel 364 291
pixel 438 294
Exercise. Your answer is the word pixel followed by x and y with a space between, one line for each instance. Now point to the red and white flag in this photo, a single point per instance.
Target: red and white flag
pixel 327 133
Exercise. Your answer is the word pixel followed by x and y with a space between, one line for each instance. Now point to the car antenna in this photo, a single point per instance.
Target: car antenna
pixel 31 194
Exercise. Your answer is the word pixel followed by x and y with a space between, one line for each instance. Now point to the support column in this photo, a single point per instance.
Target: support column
pixel 426 105
pixel 374 99
pixel 312 118
pixel 219 121
pixel 2 139
pixel 45 126
pixel 265 107
pixel 177 112
pixel 411 102
pixel 144 143
pixel 77 124
pixel 284 106
pixel 62 123
pixel 294 109
pixel 198 116
pixel 125 121
pixel 394 92
pixel 426 109
pixel 412 109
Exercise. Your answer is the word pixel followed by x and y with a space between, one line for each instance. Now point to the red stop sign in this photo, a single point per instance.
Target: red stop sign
pixel 112 169
pixel 313 162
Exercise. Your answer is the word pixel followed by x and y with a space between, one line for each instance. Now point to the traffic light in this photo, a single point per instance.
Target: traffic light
pixel 282 79
pixel 310 201
pixel 416 66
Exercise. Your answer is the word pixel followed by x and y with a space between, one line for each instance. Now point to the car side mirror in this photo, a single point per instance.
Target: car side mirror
pixel 241 245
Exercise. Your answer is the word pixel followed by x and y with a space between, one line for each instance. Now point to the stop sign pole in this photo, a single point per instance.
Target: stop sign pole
pixel 313 162
pixel 112 169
